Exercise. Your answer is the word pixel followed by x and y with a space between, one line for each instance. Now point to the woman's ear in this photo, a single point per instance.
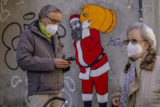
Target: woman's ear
pixel 147 44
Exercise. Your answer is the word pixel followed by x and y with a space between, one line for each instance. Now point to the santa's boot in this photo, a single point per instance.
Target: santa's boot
pixel 87 103
pixel 103 104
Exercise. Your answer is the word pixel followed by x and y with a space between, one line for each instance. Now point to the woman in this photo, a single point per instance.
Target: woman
pixel 142 82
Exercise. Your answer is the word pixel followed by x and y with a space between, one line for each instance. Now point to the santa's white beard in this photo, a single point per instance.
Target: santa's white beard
pixel 76 34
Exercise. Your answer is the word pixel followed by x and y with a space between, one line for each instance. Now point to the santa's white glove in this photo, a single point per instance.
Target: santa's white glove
pixel 86 30
pixel 86 24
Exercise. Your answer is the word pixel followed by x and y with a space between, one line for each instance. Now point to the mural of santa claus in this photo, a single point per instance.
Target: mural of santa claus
pixel 92 61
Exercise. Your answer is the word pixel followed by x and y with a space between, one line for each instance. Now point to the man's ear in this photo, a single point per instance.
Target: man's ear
pixel 41 18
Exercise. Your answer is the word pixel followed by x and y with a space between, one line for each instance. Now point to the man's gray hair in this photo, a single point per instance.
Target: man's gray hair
pixel 146 33
pixel 47 9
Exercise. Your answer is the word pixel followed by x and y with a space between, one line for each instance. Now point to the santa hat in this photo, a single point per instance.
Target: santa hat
pixel 74 17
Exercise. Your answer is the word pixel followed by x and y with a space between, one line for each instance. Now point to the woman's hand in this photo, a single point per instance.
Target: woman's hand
pixel 115 102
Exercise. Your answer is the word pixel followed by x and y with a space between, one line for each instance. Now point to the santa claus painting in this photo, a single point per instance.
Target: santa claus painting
pixel 92 61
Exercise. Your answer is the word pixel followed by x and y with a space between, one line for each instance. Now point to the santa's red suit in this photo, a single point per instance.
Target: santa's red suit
pixel 93 65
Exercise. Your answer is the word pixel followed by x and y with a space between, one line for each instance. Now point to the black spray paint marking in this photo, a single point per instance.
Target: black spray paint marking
pixel 64 31
pixel 27 16
pixel 12 48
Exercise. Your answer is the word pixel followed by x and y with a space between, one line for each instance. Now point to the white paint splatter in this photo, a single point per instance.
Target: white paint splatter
pixel 26 98
pixel 68 79
pixel 4 13
pixel 20 2
pixel 70 98
pixel 17 79
pixel 72 82
pixel 4 2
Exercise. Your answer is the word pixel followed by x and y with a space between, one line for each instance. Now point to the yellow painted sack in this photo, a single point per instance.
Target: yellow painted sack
pixel 103 20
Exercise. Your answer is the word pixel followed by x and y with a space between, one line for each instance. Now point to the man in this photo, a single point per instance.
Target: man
pixel 40 54
pixel 92 61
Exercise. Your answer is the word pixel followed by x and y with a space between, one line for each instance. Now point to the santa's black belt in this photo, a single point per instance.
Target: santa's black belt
pixel 97 60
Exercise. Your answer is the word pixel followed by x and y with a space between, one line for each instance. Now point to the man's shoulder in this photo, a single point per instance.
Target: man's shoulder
pixel 30 30
pixel 26 32
pixel 32 27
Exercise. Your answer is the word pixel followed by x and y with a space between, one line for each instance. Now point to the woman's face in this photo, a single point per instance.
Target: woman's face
pixel 134 37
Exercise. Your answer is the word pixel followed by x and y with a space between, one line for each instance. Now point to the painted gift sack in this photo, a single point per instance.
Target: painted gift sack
pixel 103 20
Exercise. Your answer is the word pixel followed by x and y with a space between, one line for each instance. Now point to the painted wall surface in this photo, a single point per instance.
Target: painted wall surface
pixel 17 15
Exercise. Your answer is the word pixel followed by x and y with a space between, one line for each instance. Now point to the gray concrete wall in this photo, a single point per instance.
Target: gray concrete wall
pixel 16 15
pixel 151 17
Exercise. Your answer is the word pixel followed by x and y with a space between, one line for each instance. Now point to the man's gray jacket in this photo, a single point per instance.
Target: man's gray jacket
pixel 36 55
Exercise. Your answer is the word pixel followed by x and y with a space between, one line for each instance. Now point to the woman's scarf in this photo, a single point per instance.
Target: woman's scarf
pixel 130 80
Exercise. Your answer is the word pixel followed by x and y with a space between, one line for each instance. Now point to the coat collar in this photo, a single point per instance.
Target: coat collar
pixel 36 29
pixel 147 62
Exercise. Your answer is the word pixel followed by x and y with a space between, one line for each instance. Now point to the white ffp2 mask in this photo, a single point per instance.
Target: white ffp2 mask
pixel 134 50
pixel 52 29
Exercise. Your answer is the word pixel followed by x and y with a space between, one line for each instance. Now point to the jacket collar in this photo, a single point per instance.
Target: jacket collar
pixel 36 29
pixel 147 62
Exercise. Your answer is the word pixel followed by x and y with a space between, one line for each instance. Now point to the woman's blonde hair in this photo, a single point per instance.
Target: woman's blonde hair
pixel 146 33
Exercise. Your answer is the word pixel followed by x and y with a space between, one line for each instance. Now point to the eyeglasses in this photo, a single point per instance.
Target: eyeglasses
pixel 53 20
pixel 134 41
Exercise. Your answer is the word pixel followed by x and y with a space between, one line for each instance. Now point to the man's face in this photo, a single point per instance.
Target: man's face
pixel 76 28
pixel 75 25
pixel 52 18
